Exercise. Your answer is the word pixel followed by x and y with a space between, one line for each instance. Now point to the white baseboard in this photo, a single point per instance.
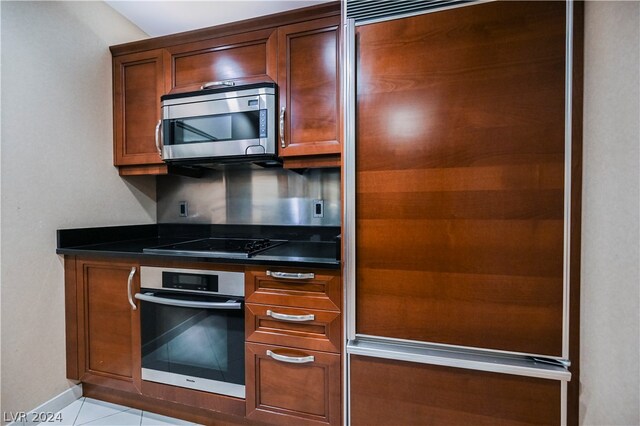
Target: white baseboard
pixel 53 405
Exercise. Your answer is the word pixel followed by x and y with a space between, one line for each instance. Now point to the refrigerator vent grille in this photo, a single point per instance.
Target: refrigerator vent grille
pixel 378 10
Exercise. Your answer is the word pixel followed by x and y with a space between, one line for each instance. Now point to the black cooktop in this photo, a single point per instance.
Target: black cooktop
pixel 214 247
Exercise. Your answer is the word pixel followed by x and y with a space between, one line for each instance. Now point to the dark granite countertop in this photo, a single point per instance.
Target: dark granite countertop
pixel 307 246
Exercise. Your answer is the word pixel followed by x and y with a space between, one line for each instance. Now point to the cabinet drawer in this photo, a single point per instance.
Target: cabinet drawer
pixel 301 288
pixel 301 328
pixel 283 391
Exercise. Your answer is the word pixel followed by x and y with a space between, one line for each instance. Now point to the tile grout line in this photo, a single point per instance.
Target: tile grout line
pixel 104 417
pixel 75 419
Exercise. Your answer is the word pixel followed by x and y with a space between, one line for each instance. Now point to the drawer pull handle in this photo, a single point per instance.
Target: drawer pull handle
pixel 291 318
pixel 291 359
pixel 209 85
pixel 129 282
pixel 292 275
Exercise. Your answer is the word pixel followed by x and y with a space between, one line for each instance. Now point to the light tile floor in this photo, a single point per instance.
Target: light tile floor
pixel 87 411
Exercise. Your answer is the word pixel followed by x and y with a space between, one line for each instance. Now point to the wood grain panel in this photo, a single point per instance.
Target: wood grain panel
pixel 322 334
pixel 386 393
pixel 194 398
pixel 542 176
pixel 460 177
pixel 71 318
pixel 143 170
pixel 461 309
pixel 164 407
pixel 488 77
pixel 489 205
pixel 292 394
pixel 312 161
pixel 308 78
pixel 504 247
pixel 242 57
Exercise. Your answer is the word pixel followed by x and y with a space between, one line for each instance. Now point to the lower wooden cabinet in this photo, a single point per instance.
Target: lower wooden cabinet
pixel 106 348
pixel 385 392
pixel 293 349
pixel 292 387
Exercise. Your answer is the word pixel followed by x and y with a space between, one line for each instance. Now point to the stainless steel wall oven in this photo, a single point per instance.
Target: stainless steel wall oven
pixel 192 329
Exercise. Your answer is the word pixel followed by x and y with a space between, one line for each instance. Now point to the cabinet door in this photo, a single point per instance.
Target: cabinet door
pixel 244 58
pixel 309 83
pixel 283 391
pixel 386 392
pixel 138 82
pixel 108 326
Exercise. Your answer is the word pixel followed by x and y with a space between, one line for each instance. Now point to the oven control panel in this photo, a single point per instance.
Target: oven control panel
pixel 192 280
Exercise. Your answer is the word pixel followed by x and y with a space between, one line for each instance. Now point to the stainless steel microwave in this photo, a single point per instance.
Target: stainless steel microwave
pixel 228 123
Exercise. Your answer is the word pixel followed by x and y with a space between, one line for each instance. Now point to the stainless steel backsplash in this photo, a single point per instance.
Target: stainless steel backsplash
pixel 242 195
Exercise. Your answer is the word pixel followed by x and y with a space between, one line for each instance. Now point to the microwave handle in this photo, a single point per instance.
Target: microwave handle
pixel 230 304
pixel 159 138
pixel 217 83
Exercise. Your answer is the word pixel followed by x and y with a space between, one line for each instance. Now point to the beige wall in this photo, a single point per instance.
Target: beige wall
pixel 56 173
pixel 609 347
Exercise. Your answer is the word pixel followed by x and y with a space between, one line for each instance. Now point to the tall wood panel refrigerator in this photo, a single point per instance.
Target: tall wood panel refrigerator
pixel 462 206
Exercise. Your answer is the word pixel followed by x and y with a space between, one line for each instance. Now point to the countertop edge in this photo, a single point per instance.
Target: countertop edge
pixel 329 264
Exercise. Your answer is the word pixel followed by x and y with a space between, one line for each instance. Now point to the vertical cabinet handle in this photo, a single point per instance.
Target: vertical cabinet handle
pixel 290 318
pixel 129 281
pixel 292 275
pixel 158 147
pixel 291 359
pixel 282 143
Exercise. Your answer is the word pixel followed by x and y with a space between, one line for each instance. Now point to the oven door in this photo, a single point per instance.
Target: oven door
pixel 193 341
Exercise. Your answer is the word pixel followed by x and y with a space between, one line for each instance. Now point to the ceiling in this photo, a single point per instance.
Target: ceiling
pixel 158 18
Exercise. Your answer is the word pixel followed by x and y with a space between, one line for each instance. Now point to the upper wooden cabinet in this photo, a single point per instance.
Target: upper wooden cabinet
pixel 139 79
pixel 244 58
pixel 309 87
pixel 299 50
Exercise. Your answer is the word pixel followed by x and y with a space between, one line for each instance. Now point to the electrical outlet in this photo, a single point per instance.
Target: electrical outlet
pixel 318 208
pixel 184 209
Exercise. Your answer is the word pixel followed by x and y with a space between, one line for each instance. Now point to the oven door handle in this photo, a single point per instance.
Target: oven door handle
pixel 229 304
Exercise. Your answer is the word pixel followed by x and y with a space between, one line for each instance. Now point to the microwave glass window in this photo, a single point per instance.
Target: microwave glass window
pixel 218 128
